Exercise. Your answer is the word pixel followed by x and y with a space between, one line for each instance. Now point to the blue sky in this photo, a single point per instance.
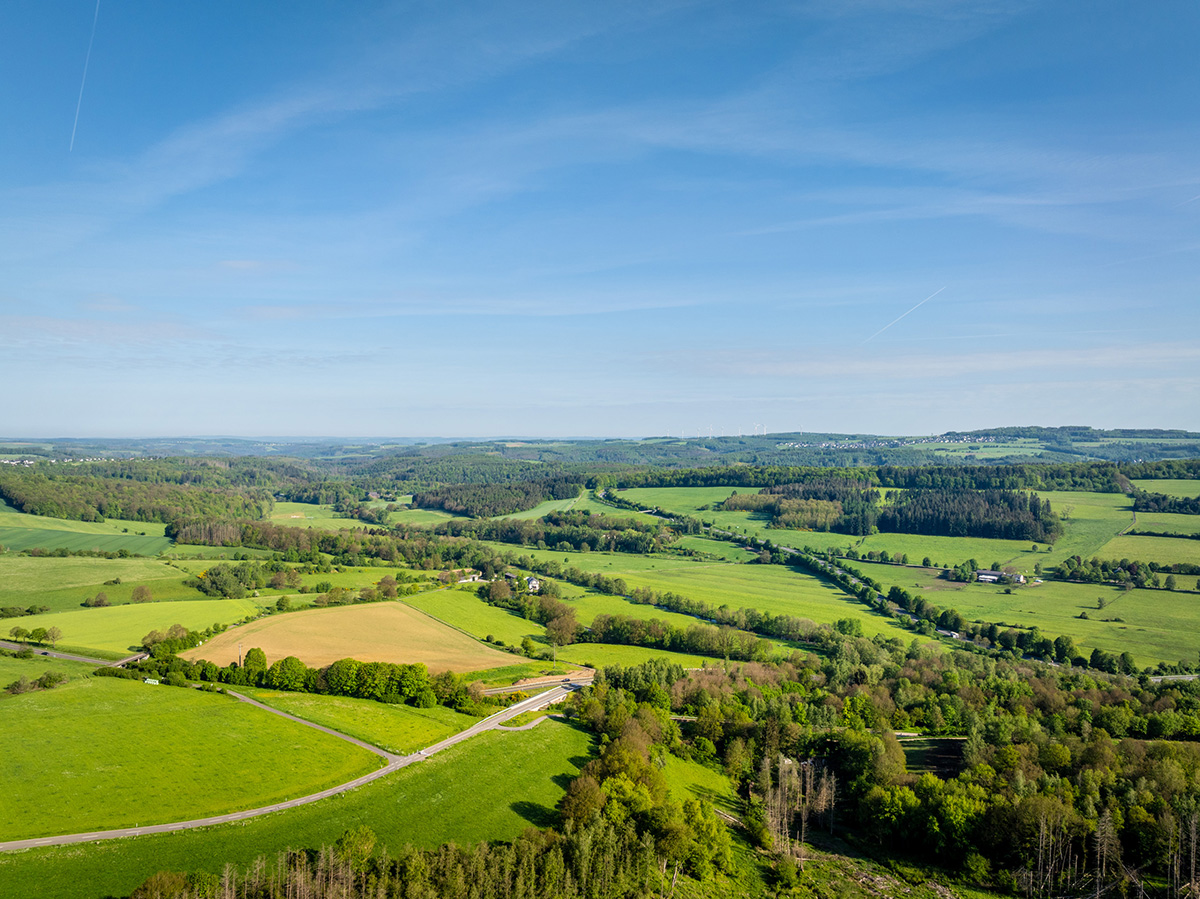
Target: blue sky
pixel 610 219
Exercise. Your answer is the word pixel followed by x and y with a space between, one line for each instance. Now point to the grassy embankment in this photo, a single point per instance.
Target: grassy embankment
pixel 463 795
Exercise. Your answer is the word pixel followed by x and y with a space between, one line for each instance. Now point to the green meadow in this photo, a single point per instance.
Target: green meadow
pixel 462 609
pixel 543 509
pixel 463 794
pixel 13 669
pixel 681 500
pixel 1164 550
pixel 64 583
pixel 397 728
pixel 1171 487
pixel 1155 625
pixel 1091 520
pixel 20 531
pixel 721 549
pixel 312 515
pixel 108 753
pixel 116 631
pixel 1167 523
pixel 466 611
pixel 692 780
pixel 771 588
pixel 597 655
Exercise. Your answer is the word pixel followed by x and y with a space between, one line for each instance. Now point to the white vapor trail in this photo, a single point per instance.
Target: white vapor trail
pixel 913 309
pixel 83 81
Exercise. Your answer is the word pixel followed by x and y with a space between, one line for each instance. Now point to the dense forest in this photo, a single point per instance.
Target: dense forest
pixel 85 498
pixel 485 500
pixel 1051 782
pixel 847 506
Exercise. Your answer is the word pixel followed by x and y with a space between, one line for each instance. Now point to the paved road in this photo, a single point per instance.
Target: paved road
pixel 107 663
pixel 392 763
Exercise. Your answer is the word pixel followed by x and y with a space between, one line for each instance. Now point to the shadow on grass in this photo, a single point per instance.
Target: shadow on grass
pixel 537 815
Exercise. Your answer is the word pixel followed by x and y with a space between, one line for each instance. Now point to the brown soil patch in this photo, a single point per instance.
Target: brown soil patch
pixel 378 632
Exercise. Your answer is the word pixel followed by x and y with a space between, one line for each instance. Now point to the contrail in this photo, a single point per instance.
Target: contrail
pixel 83 81
pixel 913 309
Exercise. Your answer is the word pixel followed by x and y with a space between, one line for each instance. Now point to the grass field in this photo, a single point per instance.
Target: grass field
pixel 545 508
pixel 375 632
pixel 682 500
pixel 107 753
pixel 1156 625
pixel 63 584
pixel 312 515
pixel 12 669
pixel 1091 520
pixel 463 609
pixel 771 588
pixel 116 631
pixel 1171 487
pixel 20 531
pixel 597 655
pixel 1168 523
pixel 462 795
pixel 397 728
pixel 692 780
pixel 721 549
pixel 1152 549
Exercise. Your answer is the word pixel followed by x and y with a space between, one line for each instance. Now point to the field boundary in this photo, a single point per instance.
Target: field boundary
pixel 394 763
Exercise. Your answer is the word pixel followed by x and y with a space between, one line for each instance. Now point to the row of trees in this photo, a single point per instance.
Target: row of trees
pixel 44 636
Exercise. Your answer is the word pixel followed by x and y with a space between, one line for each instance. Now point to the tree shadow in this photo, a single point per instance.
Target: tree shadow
pixel 537 815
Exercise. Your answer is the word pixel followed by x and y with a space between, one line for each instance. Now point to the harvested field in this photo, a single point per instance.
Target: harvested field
pixel 377 632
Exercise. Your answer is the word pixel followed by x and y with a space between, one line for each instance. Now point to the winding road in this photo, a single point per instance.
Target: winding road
pixel 392 762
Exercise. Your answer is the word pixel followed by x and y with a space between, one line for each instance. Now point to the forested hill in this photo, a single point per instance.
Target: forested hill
pixel 430 461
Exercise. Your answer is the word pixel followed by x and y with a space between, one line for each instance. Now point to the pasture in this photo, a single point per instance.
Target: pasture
pixel 63 584
pixel 1091 520
pixel 772 588
pixel 721 549
pixel 462 609
pixel 12 669
pixel 312 515
pixel 1164 550
pixel 20 531
pixel 397 728
pixel 1171 487
pixel 597 655
pixel 108 753
pixel 544 508
pixel 373 632
pixel 462 794
pixel 1155 625
pixel 116 631
pixel 692 780
pixel 1167 523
